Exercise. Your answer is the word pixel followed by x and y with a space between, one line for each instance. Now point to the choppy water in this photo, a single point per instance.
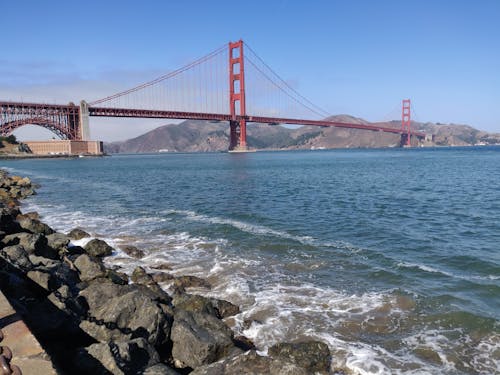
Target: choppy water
pixel 390 256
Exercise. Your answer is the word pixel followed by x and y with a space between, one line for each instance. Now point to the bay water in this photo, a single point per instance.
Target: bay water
pixel 392 257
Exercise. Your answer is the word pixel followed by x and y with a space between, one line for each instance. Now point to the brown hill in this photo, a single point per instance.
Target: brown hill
pixel 203 136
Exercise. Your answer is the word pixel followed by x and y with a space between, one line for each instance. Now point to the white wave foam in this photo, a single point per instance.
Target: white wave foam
pixel 430 269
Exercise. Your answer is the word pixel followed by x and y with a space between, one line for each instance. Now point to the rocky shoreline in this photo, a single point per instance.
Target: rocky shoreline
pixel 92 319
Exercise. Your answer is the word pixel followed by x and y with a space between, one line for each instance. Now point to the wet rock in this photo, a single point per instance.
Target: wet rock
pixel 78 234
pixel 160 369
pixel 141 277
pixel 244 343
pixel 162 277
pixel 116 277
pixel 35 226
pixel 314 356
pixel 89 268
pixel 32 215
pixel 162 266
pixel 134 313
pixel 98 248
pixel 17 256
pixel 213 306
pixel 194 303
pixel 224 308
pixel 132 251
pixel 199 339
pixel 189 281
pixel 57 241
pixel 126 357
pixel 75 250
pixel 250 363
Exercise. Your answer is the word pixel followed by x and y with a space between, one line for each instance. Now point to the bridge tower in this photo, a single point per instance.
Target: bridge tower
pixel 406 123
pixel 237 124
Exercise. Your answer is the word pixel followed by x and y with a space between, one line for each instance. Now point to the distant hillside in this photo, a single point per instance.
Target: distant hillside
pixel 202 136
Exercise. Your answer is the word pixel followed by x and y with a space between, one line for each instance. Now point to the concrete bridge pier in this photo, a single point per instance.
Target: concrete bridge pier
pixel 84 121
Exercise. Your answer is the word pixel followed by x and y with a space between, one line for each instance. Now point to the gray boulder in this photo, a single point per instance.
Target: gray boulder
pixel 33 243
pixel 213 306
pixel 57 241
pixel 98 248
pixel 199 339
pixel 189 281
pixel 17 256
pixel 43 279
pixel 314 356
pixel 34 226
pixel 78 234
pixel 120 312
pixel 141 277
pixel 132 251
pixel 224 308
pixel 117 277
pixel 250 363
pixel 119 358
pixel 89 268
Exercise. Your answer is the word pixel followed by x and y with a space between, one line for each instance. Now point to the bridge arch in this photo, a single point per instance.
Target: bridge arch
pixel 61 131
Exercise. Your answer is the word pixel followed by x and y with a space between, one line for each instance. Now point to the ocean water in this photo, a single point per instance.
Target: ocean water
pixel 392 257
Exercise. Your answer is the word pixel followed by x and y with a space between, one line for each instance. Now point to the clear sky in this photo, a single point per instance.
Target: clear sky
pixel 354 57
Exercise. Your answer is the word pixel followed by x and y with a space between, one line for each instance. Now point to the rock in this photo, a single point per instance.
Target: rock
pixel 116 277
pixel 42 261
pixel 57 241
pixel 44 279
pixel 244 343
pixel 32 243
pixel 75 250
pixel 98 248
pixel 162 266
pixel 17 256
pixel 89 268
pixel 64 274
pixel 35 226
pixel 191 282
pixel 194 303
pixel 126 357
pixel 8 222
pixel 132 251
pixel 213 306
pixel 199 339
pixel 78 234
pixel 160 369
pixel 32 215
pixel 134 312
pixel 224 308
pixel 314 356
pixel 141 277
pixel 250 363
pixel 162 277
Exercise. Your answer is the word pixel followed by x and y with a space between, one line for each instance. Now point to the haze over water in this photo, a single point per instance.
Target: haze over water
pixel 390 256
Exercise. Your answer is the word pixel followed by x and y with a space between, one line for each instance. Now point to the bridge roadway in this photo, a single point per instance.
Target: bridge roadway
pixel 145 113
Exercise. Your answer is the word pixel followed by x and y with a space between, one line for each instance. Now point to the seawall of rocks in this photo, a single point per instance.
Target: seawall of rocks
pixel 97 320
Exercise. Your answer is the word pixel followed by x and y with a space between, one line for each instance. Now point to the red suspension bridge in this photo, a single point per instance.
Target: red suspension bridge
pixel 230 84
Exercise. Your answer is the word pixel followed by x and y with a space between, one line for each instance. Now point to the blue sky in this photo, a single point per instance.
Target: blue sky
pixel 354 57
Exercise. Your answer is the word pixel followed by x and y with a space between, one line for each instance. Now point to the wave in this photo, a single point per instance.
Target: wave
pixel 430 269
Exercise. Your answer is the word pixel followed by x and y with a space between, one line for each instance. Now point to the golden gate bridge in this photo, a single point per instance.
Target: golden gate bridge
pixel 231 84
